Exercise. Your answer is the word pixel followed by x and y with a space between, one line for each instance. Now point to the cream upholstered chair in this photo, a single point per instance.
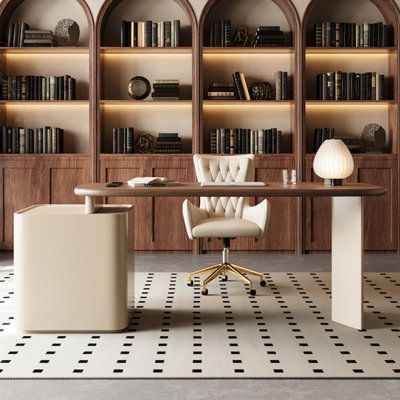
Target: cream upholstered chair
pixel 225 217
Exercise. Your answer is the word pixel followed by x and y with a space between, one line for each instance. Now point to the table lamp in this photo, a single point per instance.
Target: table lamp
pixel 333 162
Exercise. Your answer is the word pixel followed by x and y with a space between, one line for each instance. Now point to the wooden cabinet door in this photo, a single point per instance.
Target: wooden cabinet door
pixel 139 218
pixel 380 212
pixel 281 232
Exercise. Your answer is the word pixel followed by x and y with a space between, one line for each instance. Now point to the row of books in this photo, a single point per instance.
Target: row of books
pixel 30 87
pixel 150 34
pixel 168 143
pixel 221 33
pixel 245 141
pixel 165 89
pixel 46 140
pixel 123 140
pixel 20 35
pixel 269 36
pixel 350 34
pixel 320 135
pixel 340 85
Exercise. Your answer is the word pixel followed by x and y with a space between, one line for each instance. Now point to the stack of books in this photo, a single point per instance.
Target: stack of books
pixel 165 89
pixel 241 89
pixel 150 34
pixel 353 143
pixel 46 140
pixel 29 87
pixel 123 140
pixel 338 85
pixel 221 91
pixel 320 135
pixel 269 36
pixel 245 141
pixel 281 85
pixel 168 143
pixel 349 34
pixel 19 35
pixel 221 33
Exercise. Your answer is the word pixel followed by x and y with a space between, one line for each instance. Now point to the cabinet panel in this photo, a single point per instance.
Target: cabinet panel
pixel 139 231
pixel 23 187
pixel 168 229
pixel 63 182
pixel 380 212
pixel 281 232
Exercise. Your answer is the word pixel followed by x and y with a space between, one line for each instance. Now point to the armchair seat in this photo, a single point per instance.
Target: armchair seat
pixel 226 228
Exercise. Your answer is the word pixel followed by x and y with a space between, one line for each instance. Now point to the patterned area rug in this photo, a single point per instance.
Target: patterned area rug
pixel 175 332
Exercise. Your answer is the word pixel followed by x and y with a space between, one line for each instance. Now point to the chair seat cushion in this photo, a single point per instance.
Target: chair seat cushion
pixel 226 227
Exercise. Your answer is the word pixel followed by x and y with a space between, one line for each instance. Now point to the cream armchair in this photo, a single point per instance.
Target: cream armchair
pixel 225 217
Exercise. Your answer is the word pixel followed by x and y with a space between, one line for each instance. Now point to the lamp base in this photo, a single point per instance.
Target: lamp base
pixel 333 182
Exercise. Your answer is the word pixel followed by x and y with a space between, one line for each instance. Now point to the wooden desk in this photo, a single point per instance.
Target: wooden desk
pixel 347 227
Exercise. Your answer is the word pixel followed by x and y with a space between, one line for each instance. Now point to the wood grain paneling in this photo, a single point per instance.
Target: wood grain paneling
pixel 62 184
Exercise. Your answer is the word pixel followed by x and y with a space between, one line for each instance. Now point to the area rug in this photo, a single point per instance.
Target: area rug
pixel 284 331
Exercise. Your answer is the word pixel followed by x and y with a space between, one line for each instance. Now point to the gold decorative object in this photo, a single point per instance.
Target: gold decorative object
pixel 261 91
pixel 145 143
pixel 243 37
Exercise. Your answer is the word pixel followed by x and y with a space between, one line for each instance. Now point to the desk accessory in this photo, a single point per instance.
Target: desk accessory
pixel 114 184
pixel 139 88
pixel 333 162
pixel 149 181
pixel 232 184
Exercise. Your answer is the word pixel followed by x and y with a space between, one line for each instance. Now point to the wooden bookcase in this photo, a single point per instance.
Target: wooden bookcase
pixel 103 69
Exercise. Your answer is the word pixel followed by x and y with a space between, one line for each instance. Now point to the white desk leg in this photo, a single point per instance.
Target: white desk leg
pixel 90 205
pixel 347 261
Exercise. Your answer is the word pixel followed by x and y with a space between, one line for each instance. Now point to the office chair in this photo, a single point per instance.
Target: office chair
pixel 225 218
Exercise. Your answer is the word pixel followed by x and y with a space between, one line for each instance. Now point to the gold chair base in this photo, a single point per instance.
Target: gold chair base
pixel 221 269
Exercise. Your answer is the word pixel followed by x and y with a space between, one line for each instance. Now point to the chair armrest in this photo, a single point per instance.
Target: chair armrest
pixel 258 214
pixel 192 215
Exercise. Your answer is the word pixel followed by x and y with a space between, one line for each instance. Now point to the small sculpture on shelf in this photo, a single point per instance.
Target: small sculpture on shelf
pixel 66 32
pixel 373 138
pixel 243 37
pixel 261 91
pixel 139 88
pixel 145 143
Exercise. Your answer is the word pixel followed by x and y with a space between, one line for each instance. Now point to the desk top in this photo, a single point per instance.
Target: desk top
pixel 272 189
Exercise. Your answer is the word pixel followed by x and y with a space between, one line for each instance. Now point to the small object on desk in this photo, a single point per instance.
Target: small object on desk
pixel 285 176
pixel 232 184
pixel 293 177
pixel 114 184
pixel 149 181
pixel 289 176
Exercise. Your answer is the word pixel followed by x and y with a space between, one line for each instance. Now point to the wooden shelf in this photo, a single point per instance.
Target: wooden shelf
pixel 146 103
pixel 248 50
pixel 146 50
pixel 332 103
pixel 361 156
pixel 24 103
pixel 45 50
pixel 350 50
pixel 105 156
pixel 43 156
pixel 248 103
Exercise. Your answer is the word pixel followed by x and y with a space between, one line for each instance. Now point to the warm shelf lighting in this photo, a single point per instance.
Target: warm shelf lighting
pixel 348 105
pixel 214 104
pixel 117 104
pixel 146 51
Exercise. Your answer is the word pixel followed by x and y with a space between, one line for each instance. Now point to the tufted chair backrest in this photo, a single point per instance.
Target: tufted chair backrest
pixel 210 168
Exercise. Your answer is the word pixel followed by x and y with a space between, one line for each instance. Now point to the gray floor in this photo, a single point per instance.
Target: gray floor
pixel 215 389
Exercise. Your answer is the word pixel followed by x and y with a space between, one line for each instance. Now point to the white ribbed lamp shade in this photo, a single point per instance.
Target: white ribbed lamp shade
pixel 333 160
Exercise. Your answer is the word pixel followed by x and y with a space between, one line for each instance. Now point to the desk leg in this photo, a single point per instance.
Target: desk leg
pixel 90 204
pixel 347 261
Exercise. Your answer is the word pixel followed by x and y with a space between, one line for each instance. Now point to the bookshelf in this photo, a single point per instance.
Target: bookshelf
pixel 28 179
pixel 103 69
pixel 349 118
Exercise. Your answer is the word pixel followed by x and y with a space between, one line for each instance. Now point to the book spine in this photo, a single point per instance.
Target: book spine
pixel 148 29
pixel 239 86
pixel 60 141
pixel 284 86
pixel 49 140
pixel 124 34
pixel 22 141
pixel 177 33
pixel 53 140
pixel 278 85
pixel 130 140
pixel 154 34
pixel 120 141
pixel 279 142
pixel 115 140
pixel 231 141
pixel 218 140
pixel 227 33
pixel 218 30
pixel 167 33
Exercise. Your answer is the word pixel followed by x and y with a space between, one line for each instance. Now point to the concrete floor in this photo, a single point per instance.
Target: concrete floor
pixel 329 389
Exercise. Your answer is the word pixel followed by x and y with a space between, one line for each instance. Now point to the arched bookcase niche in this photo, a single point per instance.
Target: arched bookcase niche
pixel 257 64
pixel 44 14
pixel 116 108
pixel 348 118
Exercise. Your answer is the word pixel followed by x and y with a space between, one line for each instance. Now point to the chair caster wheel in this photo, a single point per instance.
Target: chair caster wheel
pixel 190 283
pixel 224 278
pixel 204 291
pixel 253 292
pixel 263 283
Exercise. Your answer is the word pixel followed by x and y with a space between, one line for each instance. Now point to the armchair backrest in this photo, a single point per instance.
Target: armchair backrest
pixel 210 168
